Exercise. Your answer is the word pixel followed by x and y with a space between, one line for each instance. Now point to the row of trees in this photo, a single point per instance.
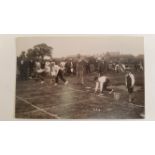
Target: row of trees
pixel 39 50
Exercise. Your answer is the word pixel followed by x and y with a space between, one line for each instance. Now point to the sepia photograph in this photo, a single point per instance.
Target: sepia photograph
pixel 80 77
pixel 77 77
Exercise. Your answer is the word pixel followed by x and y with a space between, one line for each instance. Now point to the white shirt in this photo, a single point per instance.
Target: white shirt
pixel 22 62
pixel 100 83
pixel 62 65
pixel 47 67
pixel 38 68
pixel 38 65
pixel 132 79
pixel 56 69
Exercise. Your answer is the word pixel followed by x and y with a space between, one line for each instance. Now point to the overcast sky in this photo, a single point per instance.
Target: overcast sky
pixel 71 45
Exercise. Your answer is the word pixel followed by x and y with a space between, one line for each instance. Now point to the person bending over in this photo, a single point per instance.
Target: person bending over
pixel 102 83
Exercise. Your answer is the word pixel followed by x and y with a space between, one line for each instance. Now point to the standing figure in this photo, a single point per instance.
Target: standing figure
pixel 26 69
pixel 88 67
pixel 31 68
pixel 48 68
pixel 80 68
pixel 63 65
pixel 102 67
pixel 117 68
pixel 23 67
pixel 141 66
pixel 40 71
pixel 130 82
pixel 53 71
pixel 69 67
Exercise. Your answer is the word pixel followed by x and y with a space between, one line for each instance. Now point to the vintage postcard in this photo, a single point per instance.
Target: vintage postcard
pixel 80 77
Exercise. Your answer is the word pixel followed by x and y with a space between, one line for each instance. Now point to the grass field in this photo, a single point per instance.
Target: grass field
pixel 74 101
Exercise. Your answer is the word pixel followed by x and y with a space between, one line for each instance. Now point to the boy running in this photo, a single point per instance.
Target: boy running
pixel 59 74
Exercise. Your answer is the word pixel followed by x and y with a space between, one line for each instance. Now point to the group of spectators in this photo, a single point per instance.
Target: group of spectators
pixel 39 68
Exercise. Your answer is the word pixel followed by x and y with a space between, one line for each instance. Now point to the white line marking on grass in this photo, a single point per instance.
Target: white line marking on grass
pixel 70 89
pixel 32 111
pixel 50 95
pixel 38 108
pixel 85 91
pixel 36 97
pixel 141 106
pixel 77 90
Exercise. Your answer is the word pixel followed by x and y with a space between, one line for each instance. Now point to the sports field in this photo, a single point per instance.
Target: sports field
pixel 73 101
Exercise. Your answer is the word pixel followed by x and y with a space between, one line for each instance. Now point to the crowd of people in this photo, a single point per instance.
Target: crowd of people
pixel 28 67
pixel 40 68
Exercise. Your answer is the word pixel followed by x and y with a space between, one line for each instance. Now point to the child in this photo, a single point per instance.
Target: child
pixel 130 82
pixel 59 74
pixel 53 71
pixel 40 72
pixel 47 68
pixel 102 83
